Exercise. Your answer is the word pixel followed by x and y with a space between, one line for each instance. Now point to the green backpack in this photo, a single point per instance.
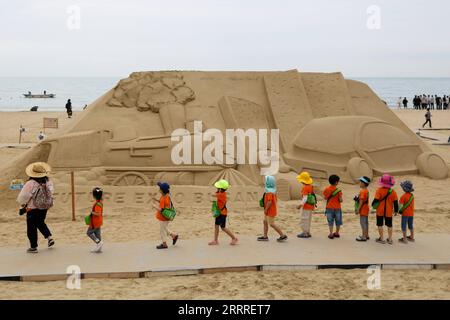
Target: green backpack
pixel 356 201
pixel 215 210
pixel 169 213
pixel 311 199
pixel 376 203
pixel 261 202
pixel 87 220
pixel 406 205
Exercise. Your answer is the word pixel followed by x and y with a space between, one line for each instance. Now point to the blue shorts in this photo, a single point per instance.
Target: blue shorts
pixel 334 216
pixel 364 222
pixel 407 221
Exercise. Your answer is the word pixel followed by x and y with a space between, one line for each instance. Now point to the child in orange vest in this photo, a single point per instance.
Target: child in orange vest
pixel 386 202
pixel 270 210
pixel 94 230
pixel 362 208
pixel 407 211
pixel 306 207
pixel 221 221
pixel 333 210
pixel 164 203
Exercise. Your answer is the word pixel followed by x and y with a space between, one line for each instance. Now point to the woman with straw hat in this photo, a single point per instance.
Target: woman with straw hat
pixel 36 197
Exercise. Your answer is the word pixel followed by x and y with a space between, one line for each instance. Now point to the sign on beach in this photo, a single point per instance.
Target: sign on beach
pixel 50 123
pixel 16 184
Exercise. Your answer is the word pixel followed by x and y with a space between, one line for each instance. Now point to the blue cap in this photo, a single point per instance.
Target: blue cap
pixel 165 187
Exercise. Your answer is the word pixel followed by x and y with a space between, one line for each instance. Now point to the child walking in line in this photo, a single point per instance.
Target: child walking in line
pixel 362 208
pixel 386 203
pixel 221 220
pixel 407 211
pixel 333 210
pixel 270 210
pixel 96 220
pixel 164 203
pixel 307 204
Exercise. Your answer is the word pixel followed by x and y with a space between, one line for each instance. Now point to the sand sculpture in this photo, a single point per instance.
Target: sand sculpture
pixel 327 125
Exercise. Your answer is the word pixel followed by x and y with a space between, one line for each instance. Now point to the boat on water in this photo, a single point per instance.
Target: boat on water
pixel 47 95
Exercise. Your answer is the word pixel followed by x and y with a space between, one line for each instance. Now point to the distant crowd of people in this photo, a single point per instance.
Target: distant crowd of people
pixel 424 102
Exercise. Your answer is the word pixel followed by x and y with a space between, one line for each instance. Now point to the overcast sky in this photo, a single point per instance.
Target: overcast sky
pixel 114 38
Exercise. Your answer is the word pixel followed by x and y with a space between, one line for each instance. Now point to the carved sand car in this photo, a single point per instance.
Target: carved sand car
pixel 353 146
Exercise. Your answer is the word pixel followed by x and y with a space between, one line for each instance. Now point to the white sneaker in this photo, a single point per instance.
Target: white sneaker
pixel 99 247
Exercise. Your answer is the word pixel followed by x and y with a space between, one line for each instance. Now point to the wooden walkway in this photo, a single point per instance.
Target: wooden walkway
pixel 135 260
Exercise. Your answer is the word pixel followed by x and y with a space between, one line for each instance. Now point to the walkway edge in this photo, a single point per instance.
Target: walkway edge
pixel 190 272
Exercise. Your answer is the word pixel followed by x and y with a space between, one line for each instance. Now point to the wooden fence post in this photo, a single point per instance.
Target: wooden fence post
pixel 72 184
pixel 20 134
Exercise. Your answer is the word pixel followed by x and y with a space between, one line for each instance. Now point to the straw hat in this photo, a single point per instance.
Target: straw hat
pixel 222 184
pixel 38 170
pixel 305 178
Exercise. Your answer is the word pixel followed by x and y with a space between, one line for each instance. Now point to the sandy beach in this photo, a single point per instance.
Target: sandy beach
pixel 432 216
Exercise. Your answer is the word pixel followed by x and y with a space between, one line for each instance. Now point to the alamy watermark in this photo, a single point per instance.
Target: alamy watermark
pixel 241 147
pixel 374 280
pixel 73 281
pixel 73 21
pixel 374 19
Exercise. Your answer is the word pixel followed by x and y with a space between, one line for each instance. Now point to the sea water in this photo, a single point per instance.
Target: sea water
pixel 83 91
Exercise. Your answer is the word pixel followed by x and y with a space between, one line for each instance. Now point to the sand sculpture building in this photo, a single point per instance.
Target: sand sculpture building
pixel 327 125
